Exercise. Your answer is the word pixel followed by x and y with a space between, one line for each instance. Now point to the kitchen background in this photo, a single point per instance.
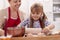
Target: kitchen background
pixel 51 9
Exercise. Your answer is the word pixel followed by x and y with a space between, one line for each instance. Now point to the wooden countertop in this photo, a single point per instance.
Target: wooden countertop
pixel 53 37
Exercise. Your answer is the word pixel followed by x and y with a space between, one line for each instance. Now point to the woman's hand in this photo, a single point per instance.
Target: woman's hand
pixel 19 32
pixel 16 32
pixel 1 32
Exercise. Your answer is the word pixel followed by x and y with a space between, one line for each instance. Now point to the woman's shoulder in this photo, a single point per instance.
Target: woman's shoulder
pixel 3 12
pixel 21 12
pixel 22 15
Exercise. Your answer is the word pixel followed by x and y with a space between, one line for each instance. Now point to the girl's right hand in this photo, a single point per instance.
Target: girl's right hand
pixel 29 35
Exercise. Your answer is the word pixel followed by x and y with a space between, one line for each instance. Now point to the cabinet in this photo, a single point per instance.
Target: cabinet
pixel 56 10
pixel 56 14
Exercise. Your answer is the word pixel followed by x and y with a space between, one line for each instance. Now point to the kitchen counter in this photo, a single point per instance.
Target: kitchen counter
pixel 53 37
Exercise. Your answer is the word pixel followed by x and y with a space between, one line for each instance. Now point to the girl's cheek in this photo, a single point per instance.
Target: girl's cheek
pixel 32 15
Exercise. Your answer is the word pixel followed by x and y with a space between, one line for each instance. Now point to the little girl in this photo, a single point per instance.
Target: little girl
pixel 38 19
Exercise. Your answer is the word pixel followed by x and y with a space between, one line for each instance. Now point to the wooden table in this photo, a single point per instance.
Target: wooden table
pixel 55 37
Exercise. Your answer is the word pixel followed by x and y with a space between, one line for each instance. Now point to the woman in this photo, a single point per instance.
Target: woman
pixel 11 16
pixel 38 19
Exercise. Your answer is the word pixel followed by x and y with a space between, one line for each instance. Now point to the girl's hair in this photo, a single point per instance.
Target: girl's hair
pixel 9 0
pixel 38 8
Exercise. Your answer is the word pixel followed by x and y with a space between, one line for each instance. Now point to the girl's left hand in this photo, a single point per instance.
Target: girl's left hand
pixel 45 30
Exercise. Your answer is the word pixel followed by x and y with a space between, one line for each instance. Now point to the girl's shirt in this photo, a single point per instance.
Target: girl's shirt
pixel 36 24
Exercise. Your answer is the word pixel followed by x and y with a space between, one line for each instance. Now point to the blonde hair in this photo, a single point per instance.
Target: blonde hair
pixel 38 8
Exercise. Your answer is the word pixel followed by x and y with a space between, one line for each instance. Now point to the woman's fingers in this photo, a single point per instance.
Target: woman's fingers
pixel 1 32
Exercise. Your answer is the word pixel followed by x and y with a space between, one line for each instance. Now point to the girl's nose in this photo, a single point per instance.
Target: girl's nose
pixel 19 3
pixel 35 14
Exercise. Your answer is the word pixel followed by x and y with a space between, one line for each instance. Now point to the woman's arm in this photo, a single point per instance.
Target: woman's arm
pixel 1 19
pixel 1 32
pixel 23 19
pixel 22 15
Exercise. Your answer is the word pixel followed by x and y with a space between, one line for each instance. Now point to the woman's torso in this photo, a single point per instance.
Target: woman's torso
pixel 8 21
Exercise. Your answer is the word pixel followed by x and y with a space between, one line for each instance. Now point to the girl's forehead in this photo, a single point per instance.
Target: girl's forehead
pixel 15 0
pixel 37 10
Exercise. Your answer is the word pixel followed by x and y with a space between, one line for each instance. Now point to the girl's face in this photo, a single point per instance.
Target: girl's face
pixel 35 16
pixel 15 4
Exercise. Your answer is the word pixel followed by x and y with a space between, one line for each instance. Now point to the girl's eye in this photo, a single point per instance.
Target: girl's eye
pixel 15 1
pixel 37 13
pixel 33 13
pixel 19 0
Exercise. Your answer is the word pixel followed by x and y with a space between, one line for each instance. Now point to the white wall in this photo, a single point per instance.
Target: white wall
pixel 48 9
pixel 26 4
pixel 1 4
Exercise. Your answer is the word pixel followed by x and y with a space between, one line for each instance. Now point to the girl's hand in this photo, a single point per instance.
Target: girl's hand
pixel 29 35
pixel 46 30
pixel 41 35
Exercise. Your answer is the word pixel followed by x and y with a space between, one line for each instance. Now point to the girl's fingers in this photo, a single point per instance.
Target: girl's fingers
pixel 45 30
